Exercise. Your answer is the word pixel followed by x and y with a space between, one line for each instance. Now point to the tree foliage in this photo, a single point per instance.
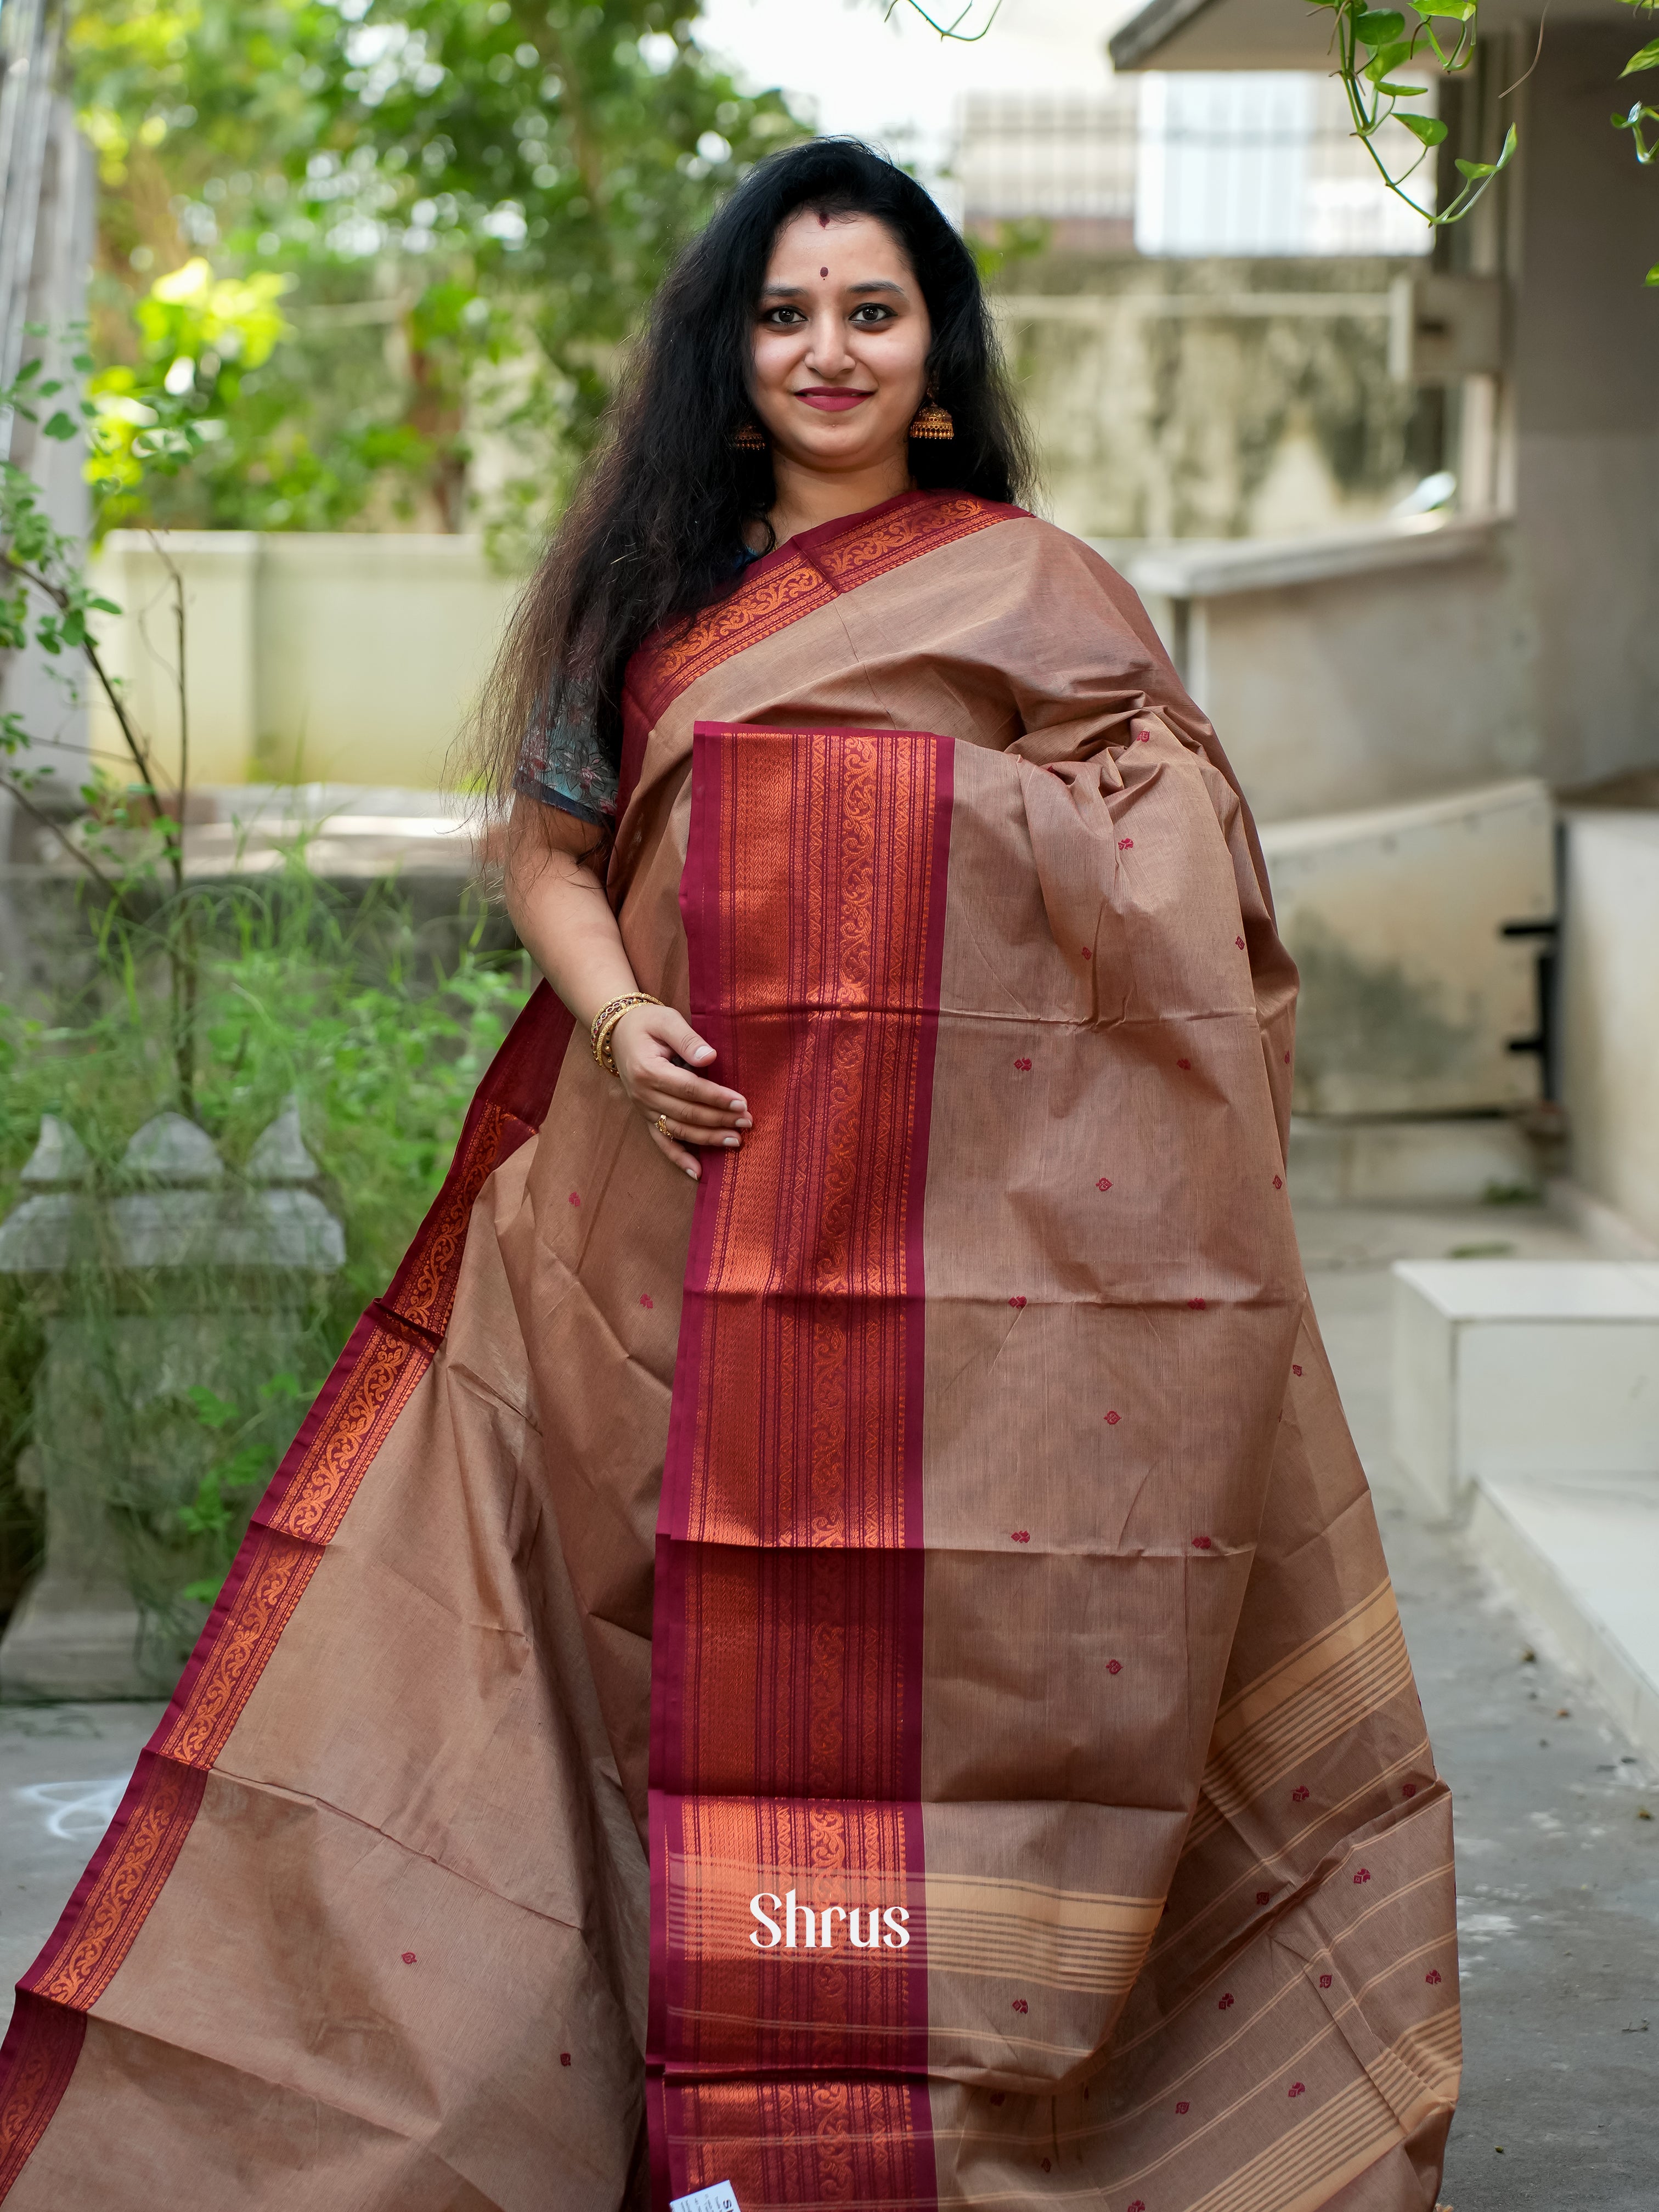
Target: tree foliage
pixel 476 195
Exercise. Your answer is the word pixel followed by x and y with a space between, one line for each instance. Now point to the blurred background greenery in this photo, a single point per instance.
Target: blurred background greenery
pixel 357 243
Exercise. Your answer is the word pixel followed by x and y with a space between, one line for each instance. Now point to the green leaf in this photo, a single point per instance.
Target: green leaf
pixel 1646 59
pixel 1402 91
pixel 210 1411
pixel 1428 128
pixel 60 427
pixel 1378 26
pixel 1473 169
pixel 1386 59
pixel 1652 276
pixel 1454 11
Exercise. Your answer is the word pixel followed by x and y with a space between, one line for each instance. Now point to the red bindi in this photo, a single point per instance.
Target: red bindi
pixel 823 272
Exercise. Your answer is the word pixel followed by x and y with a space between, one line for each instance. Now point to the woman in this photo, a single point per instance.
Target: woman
pixel 831 1605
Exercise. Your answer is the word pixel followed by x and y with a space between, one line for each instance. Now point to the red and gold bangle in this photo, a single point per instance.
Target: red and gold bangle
pixel 606 1020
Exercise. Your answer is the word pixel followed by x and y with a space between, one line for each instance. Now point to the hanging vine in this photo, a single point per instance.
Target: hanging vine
pixel 1371 46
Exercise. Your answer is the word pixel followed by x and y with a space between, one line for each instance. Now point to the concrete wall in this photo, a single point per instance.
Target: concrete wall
pixel 1211 397
pixel 317 657
pixel 1584 409
pixel 1377 668
pixel 1609 1007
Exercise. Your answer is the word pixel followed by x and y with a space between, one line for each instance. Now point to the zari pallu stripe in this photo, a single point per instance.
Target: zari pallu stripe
pixel 788 2016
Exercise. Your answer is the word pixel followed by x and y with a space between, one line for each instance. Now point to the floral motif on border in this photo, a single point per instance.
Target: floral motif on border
pixel 314 1505
pixel 49 2042
pixel 126 1885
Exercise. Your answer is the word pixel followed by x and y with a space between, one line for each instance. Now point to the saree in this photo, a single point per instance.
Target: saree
pixel 870 1679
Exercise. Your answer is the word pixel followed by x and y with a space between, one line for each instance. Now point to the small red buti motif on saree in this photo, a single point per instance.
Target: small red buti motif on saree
pixel 1112 1419
pixel 1126 844
pixel 1262 1896
pixel 1105 1183
pixel 1287 1059
pixel 1364 1874
pixel 1184 1063
pixel 1224 2002
pixel 564 2059
pixel 409 1957
pixel 1202 1543
pixel 575 1198
pixel 1324 1981
pixel 1020 1536
pixel 1299 1794
pixel 1197 1304
pixel 1432 1975
pixel 1145 737
pixel 1087 954
pixel 1239 942
pixel 1114 1666
pixel 1182 2109
pixel 1278 1182
pixel 1045 2165
pixel 1295 1369
pixel 1410 1790
pixel 1297 2089
pixel 1023 1066
pixel 1020 2005
pixel 647 1301
pixel 1016 1303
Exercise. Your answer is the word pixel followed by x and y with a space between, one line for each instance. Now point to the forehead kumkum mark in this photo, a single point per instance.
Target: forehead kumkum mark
pixel 823 272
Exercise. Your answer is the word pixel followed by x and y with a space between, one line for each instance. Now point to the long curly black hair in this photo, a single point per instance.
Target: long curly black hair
pixel 653 532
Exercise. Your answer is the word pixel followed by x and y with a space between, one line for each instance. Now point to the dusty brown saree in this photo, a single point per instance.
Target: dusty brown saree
pixel 884 1662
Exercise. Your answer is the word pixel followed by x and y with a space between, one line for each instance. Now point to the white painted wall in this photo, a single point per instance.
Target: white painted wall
pixel 318 657
pixel 1609 1007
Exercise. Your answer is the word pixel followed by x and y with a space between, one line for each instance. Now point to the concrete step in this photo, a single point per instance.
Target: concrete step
pixel 1540 1368
pixel 1584 1555
pixel 1440 1160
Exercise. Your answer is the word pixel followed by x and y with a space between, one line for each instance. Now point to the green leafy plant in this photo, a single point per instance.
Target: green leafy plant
pixel 470 202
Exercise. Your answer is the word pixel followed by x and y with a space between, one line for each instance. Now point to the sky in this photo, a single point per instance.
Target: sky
pixel 854 67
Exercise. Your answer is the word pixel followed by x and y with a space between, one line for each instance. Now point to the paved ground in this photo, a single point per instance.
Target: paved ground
pixel 1559 1870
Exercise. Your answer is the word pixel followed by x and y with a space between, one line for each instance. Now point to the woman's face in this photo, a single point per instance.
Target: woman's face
pixel 840 343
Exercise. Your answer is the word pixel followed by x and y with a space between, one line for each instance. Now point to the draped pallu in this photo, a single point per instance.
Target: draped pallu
pixel 874 1680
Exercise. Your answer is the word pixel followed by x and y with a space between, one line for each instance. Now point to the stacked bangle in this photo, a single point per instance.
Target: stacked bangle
pixel 605 1020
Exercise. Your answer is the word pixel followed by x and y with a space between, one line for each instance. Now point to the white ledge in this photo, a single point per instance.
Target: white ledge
pixel 1210 568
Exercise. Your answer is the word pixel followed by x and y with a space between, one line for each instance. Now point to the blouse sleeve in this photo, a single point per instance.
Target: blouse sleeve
pixel 563 764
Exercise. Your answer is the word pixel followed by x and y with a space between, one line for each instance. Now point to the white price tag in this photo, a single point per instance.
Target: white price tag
pixel 718 2198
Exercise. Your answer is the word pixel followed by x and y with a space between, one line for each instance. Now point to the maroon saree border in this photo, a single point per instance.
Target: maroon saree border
pixel 789 1536
pixel 796 578
pixel 386 1357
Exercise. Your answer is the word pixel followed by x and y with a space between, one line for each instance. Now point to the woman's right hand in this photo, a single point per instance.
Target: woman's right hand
pixel 656 1052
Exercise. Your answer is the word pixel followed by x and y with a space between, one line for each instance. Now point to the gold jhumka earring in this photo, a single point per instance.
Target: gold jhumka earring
pixel 930 420
pixel 747 439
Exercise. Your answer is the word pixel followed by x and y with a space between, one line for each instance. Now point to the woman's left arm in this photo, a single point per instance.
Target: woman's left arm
pixel 559 908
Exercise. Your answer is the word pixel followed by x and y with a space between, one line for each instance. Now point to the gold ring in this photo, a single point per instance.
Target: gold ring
pixel 662 1125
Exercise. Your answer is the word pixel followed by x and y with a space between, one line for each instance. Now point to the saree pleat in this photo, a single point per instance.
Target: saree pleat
pixel 878 1672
